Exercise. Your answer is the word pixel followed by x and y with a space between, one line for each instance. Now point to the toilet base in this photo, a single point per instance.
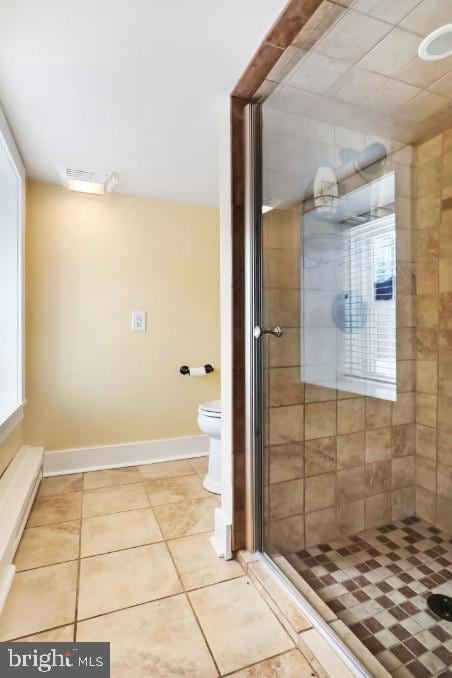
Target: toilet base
pixel 212 481
pixel 211 485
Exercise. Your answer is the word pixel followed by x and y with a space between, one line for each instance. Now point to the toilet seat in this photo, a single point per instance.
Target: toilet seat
pixel 211 408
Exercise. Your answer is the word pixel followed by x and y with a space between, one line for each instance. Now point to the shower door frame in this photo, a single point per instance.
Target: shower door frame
pixel 254 385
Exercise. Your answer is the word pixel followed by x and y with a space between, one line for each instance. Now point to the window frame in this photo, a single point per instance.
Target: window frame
pixel 9 146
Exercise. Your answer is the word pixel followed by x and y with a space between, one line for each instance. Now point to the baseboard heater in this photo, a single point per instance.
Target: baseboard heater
pixel 18 487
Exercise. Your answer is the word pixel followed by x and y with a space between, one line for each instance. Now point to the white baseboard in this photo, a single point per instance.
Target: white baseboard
pixel 221 540
pixel 18 487
pixel 62 462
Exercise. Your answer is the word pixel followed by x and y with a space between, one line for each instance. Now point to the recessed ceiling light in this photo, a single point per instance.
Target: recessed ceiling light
pixel 437 45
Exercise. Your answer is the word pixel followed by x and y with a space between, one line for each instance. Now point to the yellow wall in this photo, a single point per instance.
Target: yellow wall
pixel 91 261
pixel 9 447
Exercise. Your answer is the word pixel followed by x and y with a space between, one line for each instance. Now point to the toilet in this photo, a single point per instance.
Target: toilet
pixel 209 421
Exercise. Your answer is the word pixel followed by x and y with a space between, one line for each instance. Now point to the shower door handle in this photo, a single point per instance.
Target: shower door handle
pixel 276 331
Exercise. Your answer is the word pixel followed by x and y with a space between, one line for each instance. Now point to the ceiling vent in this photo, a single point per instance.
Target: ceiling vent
pixel 85 181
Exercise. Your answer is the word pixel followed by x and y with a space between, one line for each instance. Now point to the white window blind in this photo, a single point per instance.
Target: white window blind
pixel 370 312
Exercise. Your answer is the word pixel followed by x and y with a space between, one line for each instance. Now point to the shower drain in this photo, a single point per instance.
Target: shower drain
pixel 441 606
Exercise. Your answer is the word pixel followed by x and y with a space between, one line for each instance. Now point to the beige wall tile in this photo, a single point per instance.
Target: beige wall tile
pixel 406 278
pixel 286 462
pixel 320 492
pixel 403 472
pixel 350 450
pixel 285 387
pixel 406 376
pixel 427 376
pixel 427 277
pixel 428 210
pixel 445 447
pixel 445 343
pixel 426 473
pixel 427 311
pixel 350 517
pixel 404 410
pixel 426 441
pixel 403 440
pixel 282 268
pixel 426 343
pixel 286 424
pixel 320 526
pixel 378 413
pixel 445 309
pixel 426 505
pixel 351 415
pixel 318 394
pixel 352 36
pixel 427 243
pixel 406 343
pixel 444 481
pixel 285 351
pixel 445 274
pixel 378 445
pixel 429 150
pixel 320 456
pixel 403 503
pixel 282 307
pixel 426 405
pixel 445 376
pixel 350 485
pixel 287 534
pixel 443 513
pixel 444 413
pixel 377 510
pixel 286 499
pixel 428 177
pixel 320 420
pixel 377 477
pixel 406 310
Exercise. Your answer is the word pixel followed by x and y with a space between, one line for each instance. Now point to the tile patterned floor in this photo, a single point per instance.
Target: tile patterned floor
pixel 377 582
pixel 123 555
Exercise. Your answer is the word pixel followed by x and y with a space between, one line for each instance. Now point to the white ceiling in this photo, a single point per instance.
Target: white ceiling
pixel 133 87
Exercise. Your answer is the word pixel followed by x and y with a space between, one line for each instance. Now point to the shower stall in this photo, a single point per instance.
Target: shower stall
pixel 349 327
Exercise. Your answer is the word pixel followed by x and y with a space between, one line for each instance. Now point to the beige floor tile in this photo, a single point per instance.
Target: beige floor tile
pixel 158 640
pixel 124 578
pixel 55 509
pixel 166 469
pixel 198 564
pixel 200 465
pixel 48 545
pixel 187 517
pixel 239 627
pixel 40 599
pixel 287 665
pixel 62 634
pixel 115 531
pixel 171 490
pixel 61 484
pixel 112 476
pixel 114 499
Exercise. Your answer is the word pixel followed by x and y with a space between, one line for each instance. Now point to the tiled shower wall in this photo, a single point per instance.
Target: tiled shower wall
pixel 337 463
pixel 434 331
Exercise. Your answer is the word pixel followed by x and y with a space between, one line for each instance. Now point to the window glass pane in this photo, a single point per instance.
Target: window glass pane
pixel 9 287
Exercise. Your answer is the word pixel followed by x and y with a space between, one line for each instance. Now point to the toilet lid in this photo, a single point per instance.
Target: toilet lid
pixel 212 408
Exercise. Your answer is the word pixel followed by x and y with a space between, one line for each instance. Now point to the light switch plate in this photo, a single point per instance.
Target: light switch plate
pixel 138 321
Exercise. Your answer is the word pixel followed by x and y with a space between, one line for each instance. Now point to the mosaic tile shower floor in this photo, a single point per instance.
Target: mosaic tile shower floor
pixel 377 582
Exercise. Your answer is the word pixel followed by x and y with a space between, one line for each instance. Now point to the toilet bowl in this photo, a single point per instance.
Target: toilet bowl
pixel 209 421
